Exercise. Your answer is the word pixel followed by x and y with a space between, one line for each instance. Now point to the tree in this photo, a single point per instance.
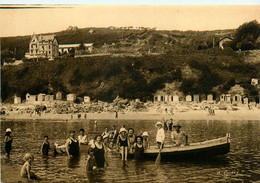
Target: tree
pixel 246 35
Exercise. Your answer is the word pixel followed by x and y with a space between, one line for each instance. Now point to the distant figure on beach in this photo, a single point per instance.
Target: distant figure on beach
pixel 79 116
pixel 71 116
pixel 211 111
pixel 85 116
pixel 146 140
pixel 95 124
pixel 123 143
pixel 177 136
pixel 138 148
pixel 160 136
pixel 116 115
pixel 8 140
pixel 45 147
pixel 72 145
pixel 166 110
pixel 83 139
pixel 26 168
pixel 170 123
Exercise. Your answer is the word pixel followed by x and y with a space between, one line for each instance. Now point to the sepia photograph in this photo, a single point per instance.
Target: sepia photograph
pixel 137 92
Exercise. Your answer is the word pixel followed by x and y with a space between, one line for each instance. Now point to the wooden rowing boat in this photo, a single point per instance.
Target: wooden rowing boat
pixel 219 146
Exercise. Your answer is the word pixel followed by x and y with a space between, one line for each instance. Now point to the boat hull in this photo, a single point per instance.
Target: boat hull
pixel 204 149
pixel 192 153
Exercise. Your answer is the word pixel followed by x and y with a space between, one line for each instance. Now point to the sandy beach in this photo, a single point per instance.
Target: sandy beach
pixel 241 114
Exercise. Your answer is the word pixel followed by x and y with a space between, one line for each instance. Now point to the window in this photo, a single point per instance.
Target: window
pixel 49 52
pixel 31 51
pixel 36 46
pixel 32 46
pixel 49 47
pixel 43 47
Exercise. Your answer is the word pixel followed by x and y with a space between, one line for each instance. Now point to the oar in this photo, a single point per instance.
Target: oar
pixel 158 159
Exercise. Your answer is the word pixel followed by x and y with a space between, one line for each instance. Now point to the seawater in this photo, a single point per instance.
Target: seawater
pixel 241 164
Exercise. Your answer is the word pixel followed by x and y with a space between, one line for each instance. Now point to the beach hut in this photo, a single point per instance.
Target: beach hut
pixel 209 97
pixel 188 98
pixel 58 95
pixel 49 98
pixel 86 99
pixel 17 100
pixel 237 99
pixel 71 97
pixel 228 98
pixel 41 97
pixel 176 99
pixel 222 98
pixel 245 100
pixel 196 98
pixel 31 99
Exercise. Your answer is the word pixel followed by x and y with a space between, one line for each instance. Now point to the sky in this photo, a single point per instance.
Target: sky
pixel 26 21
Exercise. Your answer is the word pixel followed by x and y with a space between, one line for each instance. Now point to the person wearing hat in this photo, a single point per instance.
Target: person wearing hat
pixel 8 140
pixel 123 143
pixel 160 136
pixel 145 140
pixel 178 135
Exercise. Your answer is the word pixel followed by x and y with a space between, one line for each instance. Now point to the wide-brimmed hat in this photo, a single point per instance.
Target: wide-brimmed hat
pixel 8 130
pixel 122 130
pixel 145 134
pixel 177 125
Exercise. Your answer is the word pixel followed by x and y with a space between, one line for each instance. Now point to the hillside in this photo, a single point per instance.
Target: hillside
pixel 120 40
pixel 103 78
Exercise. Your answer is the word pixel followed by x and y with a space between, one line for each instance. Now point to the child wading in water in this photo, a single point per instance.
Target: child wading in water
pixel 8 140
pixel 45 146
pixel 26 168
pixel 123 143
pixel 146 140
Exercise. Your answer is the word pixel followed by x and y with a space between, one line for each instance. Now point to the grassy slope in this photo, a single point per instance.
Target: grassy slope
pixel 104 78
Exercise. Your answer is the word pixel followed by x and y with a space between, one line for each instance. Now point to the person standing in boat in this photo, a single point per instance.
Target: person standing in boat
pixel 132 140
pixel 138 148
pixel 146 140
pixel 45 147
pixel 123 143
pixel 99 152
pixel 72 145
pixel 178 135
pixel 83 139
pixel 160 136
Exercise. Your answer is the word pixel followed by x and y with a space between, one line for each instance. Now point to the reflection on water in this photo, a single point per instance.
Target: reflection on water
pixel 241 164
